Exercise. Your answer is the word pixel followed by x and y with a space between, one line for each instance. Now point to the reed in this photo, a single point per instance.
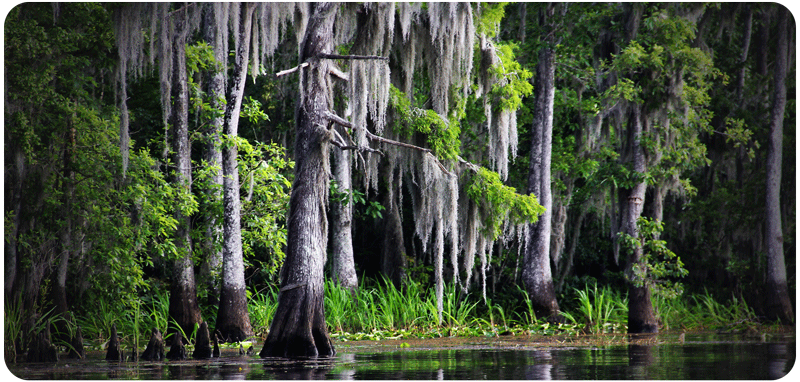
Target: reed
pixel 380 307
pixel 261 307
pixel 703 311
pixel 12 328
pixel 602 310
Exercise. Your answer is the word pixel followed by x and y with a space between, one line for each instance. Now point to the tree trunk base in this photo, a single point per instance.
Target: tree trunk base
pixel 298 329
pixel 641 318
pixel 779 305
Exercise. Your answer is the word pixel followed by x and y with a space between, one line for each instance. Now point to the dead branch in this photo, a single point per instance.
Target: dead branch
pixel 292 70
pixel 373 137
pixel 351 57
pixel 338 73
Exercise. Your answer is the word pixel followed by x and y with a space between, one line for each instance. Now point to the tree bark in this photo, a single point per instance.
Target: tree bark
pixel 298 328
pixel 233 319
pixel 212 154
pixel 641 318
pixel 779 305
pixel 343 265
pixel 58 293
pixel 393 256
pixel 536 271
pixel 183 306
pixel 748 22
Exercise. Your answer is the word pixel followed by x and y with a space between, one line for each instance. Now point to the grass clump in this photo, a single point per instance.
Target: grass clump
pixel 602 310
pixel 704 312
pixel 378 310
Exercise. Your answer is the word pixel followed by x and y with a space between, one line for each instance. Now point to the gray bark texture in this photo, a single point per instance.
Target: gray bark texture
pixel 536 271
pixel 183 306
pixel 298 328
pixel 233 319
pixel 343 265
pixel 393 256
pixel 212 153
pixel 641 318
pixel 779 305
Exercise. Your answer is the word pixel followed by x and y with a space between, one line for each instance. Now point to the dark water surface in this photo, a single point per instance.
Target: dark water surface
pixel 664 357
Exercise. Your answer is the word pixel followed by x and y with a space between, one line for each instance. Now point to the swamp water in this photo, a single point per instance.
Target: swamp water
pixel 666 356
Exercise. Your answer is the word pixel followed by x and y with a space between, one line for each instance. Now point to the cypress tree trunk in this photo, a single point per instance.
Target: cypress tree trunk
pixel 58 293
pixel 15 179
pixel 641 318
pixel 393 257
pixel 212 153
pixel 183 305
pixel 298 328
pixel 536 272
pixel 233 320
pixel 343 265
pixel 779 306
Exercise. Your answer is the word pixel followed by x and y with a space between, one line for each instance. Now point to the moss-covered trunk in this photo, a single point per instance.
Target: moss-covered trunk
pixel 298 328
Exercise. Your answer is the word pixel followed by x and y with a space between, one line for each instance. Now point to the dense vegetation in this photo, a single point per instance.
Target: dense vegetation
pixel 97 213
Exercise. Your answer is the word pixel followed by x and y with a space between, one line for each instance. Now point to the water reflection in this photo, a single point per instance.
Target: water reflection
pixel 298 369
pixel 542 366
pixel 696 358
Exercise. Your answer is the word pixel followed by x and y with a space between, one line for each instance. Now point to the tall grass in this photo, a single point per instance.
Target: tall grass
pixel 381 307
pixel 378 309
pixel 704 312
pixel 261 308
pixel 602 310
pixel 12 328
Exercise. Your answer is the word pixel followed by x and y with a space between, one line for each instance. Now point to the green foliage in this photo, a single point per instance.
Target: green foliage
pixel 515 84
pixel 200 56
pixel 251 109
pixel 659 266
pixel 602 310
pixel 12 328
pixel 441 134
pixel 261 307
pixel 500 202
pixel 488 18
pixel 373 210
pixel 703 312
pixel 265 202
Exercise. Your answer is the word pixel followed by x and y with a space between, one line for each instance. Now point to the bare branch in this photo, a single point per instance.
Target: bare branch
pixel 373 137
pixel 338 73
pixel 292 70
pixel 351 57
pixel 472 166
pixel 338 119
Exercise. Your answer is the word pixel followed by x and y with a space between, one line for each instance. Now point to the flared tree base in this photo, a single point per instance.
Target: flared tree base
pixel 298 329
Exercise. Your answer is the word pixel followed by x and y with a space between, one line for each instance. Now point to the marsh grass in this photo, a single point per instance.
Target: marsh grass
pixel 381 306
pixel 261 307
pixel 602 310
pixel 12 328
pixel 378 310
pixel 703 311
